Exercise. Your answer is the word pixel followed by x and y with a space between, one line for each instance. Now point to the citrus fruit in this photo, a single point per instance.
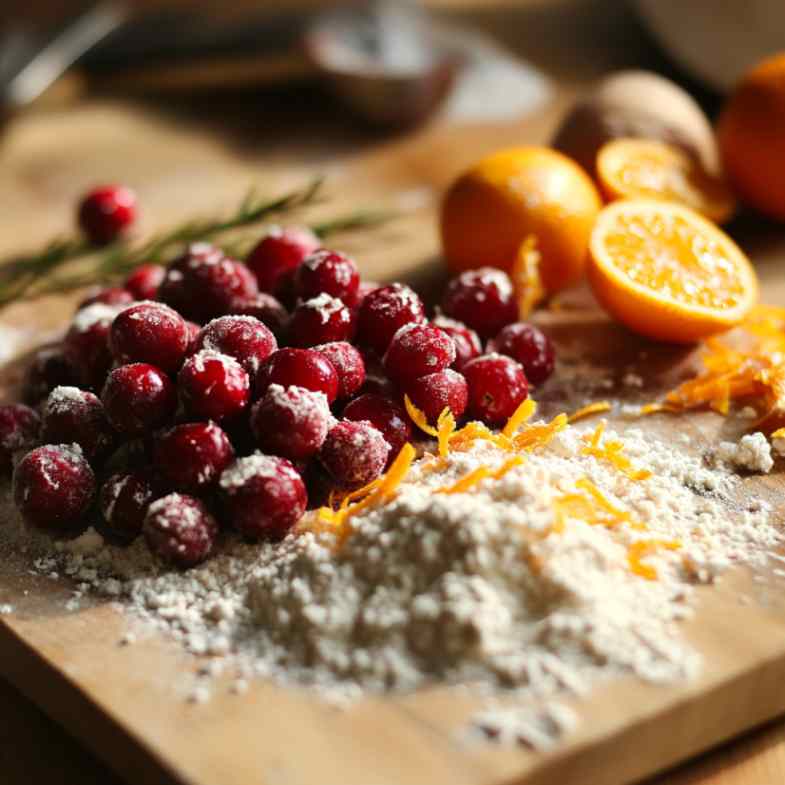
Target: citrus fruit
pixel 491 209
pixel 751 134
pixel 648 169
pixel 668 273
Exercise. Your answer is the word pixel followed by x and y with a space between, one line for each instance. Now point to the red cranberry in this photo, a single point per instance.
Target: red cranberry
pixel 242 337
pixel 214 386
pixel 76 416
pixel 482 299
pixel 365 288
pixel 388 417
pixel 48 369
pixel 123 501
pixel 149 332
pixel 138 397
pixel 190 457
pixel 497 386
pixel 291 422
pixel 144 281
pixel 529 346
pixel 348 363
pixel 322 319
pixel 264 496
pixel 299 368
pixel 354 453
pixel 437 391
pixel 113 295
pixel 266 309
pixel 279 254
pixel 180 530
pixel 19 426
pixel 106 213
pixel 384 311
pixel 54 487
pixel 328 272
pixel 467 342
pixel 416 350
pixel 86 344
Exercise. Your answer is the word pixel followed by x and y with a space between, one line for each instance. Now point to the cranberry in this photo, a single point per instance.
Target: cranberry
pixel 482 299
pixel 194 334
pixel 54 487
pixel 266 309
pixel 144 281
pixel 123 501
pixel 86 344
pixel 299 368
pixel 19 426
pixel 365 288
pixel 113 295
pixel 265 496
pixel 467 342
pixel 242 337
pixel 354 453
pixel 387 416
pixel 328 272
pixel 418 349
pixel 106 213
pixel 348 363
pixel 497 386
pixel 437 391
pixel 138 397
pixel 322 319
pixel 384 311
pixel 214 386
pixel 291 422
pixel 529 346
pixel 179 529
pixel 48 369
pixel 77 416
pixel 279 254
pixel 190 457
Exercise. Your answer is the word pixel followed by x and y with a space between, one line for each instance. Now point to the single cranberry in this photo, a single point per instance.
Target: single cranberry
pixel 106 213
pixel 49 368
pixel 144 281
pixel 291 422
pixel 113 295
pixel 54 487
pixel 266 308
pixel 437 391
pixel 467 342
pixel 264 495
pixel 214 386
pixel 530 347
pixel 483 299
pixel 76 416
pixel 322 319
pixel 279 254
pixel 19 427
pixel 348 363
pixel 179 529
pixel 123 501
pixel 190 457
pixel 354 453
pixel 497 386
pixel 243 337
pixel 384 311
pixel 387 416
pixel 416 350
pixel 299 368
pixel 86 344
pixel 328 272
pixel 138 397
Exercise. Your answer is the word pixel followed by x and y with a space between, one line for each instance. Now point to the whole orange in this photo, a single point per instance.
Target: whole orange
pixel 515 194
pixel 751 134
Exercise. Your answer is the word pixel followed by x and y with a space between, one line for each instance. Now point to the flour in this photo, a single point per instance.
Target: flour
pixel 752 452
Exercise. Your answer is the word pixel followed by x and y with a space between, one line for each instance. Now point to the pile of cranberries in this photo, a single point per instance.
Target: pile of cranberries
pixel 215 393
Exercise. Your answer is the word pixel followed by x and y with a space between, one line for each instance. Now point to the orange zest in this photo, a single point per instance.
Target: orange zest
pixel 590 409
pixel 539 434
pixel 419 418
pixel 521 415
pixel 467 481
pixel 526 278
pixel 611 451
pixel 639 549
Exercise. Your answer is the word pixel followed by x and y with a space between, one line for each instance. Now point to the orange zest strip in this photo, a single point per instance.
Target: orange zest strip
pixel 526 278
pixel 778 434
pixel 638 550
pixel 467 481
pixel 419 418
pixel 587 411
pixel 611 452
pixel 539 435
pixel 445 428
pixel 510 463
pixel 466 436
pixel 521 415
pixel 617 514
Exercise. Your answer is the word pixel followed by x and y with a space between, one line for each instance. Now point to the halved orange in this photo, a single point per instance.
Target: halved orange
pixel 668 273
pixel 648 169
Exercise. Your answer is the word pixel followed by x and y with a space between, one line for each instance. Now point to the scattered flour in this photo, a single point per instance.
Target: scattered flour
pixel 752 452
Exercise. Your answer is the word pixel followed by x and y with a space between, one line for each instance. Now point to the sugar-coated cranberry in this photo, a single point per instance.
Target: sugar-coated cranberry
pixel 190 457
pixel 54 487
pixel 299 368
pixel 264 496
pixel 19 427
pixel 437 391
pixel 113 295
pixel 483 299
pixel 321 319
pixel 180 530
pixel 418 349
pixel 387 416
pixel 279 254
pixel 529 346
pixel 384 311
pixel 86 344
pixel 48 368
pixel 106 213
pixel 71 415
pixel 213 385
pixel 348 363
pixel 138 397
pixel 266 308
pixel 144 281
pixel 354 453
pixel 327 272
pixel 364 289
pixel 243 337
pixel 467 342
pixel 497 386
pixel 291 421
pixel 123 501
